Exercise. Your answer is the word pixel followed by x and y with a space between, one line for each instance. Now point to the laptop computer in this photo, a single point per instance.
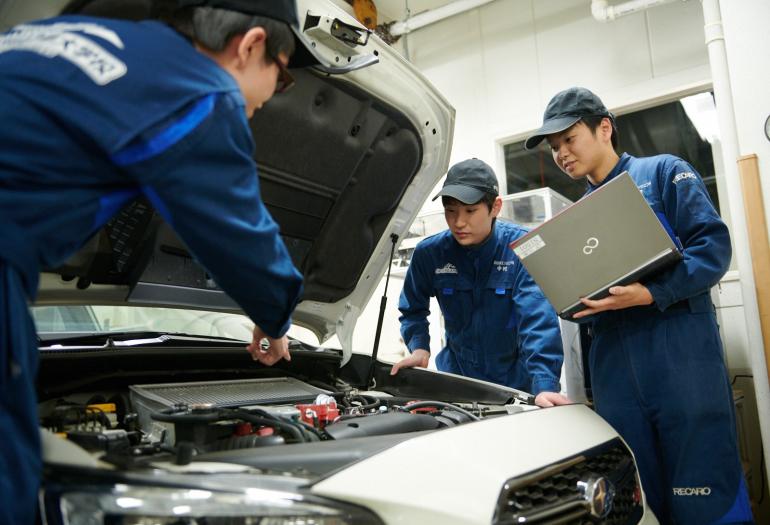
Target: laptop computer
pixel 610 237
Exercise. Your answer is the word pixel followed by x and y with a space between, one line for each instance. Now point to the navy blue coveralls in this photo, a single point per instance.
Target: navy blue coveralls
pixel 95 112
pixel 658 373
pixel 499 325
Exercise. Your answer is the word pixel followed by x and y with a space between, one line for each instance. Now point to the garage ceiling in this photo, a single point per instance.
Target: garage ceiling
pixel 14 11
pixel 390 10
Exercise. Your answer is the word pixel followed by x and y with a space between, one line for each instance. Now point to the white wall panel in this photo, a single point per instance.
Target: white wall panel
pixel 676 37
pixel 510 57
pixel 732 321
pixel 575 49
pixel 748 47
pixel 460 79
pixel 500 64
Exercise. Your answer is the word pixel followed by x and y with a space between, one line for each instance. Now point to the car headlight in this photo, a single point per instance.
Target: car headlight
pixel 131 505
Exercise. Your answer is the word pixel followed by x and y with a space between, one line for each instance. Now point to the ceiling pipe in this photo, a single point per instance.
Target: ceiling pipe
pixel 603 12
pixel 435 15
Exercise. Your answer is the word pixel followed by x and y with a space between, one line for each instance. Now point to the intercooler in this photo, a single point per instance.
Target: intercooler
pixel 147 399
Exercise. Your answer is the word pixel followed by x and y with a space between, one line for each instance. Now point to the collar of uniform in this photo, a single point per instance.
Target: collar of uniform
pixel 619 168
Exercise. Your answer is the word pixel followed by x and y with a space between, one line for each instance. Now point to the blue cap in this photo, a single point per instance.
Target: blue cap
pixel 565 109
pixel 468 181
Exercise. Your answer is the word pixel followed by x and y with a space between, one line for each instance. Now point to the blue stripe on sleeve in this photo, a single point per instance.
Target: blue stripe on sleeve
pixel 158 203
pixel 669 230
pixel 168 137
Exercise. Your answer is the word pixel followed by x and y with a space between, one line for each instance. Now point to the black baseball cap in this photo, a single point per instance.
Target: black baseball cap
pixel 565 109
pixel 281 10
pixel 468 181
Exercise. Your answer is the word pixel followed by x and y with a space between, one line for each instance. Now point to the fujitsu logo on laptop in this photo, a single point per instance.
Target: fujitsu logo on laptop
pixel 591 244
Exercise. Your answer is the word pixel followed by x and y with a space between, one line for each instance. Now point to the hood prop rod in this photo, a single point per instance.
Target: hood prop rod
pixel 370 382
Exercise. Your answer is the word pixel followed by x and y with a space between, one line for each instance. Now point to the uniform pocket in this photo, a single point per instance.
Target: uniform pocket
pixel 455 297
pixel 499 308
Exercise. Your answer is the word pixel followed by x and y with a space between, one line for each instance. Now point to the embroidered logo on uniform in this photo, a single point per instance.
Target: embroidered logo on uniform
pixel 692 491
pixel 448 268
pixel 645 185
pixel 59 40
pixel 679 177
pixel 502 266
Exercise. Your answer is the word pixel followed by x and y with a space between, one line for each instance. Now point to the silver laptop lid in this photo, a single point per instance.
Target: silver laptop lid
pixel 602 240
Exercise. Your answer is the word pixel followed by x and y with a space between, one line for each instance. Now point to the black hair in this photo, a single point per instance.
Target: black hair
pixel 213 28
pixel 488 199
pixel 594 121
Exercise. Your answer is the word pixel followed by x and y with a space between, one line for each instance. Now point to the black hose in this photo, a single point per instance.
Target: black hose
pixel 314 433
pixel 172 415
pixel 367 402
pixel 290 428
pixel 425 404
pixel 175 415
pixel 300 425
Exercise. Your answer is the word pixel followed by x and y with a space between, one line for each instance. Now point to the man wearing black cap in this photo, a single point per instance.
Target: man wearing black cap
pixel 96 112
pixel 657 369
pixel 499 326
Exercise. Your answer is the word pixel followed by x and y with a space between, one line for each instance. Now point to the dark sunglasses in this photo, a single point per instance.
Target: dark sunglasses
pixel 285 79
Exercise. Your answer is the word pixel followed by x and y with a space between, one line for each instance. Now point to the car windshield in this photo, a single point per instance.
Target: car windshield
pixel 73 319
pixel 51 321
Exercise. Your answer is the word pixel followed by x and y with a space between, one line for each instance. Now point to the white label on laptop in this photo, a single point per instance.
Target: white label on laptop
pixel 529 247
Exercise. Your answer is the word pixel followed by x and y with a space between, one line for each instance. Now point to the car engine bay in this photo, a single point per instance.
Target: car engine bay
pixel 257 422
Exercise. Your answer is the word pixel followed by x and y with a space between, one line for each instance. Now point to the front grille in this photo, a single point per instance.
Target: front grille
pixel 561 493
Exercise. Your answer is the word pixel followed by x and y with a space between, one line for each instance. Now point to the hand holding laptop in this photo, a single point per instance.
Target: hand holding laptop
pixel 620 297
pixel 609 239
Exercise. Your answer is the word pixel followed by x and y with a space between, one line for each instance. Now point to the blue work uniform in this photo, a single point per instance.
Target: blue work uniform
pixel 498 325
pixel 658 373
pixel 95 112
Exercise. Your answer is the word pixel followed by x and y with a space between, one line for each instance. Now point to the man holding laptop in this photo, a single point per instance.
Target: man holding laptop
pixel 574 257
pixel 656 362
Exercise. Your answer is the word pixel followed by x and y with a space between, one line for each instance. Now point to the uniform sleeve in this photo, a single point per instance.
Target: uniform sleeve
pixel 205 185
pixel 539 336
pixel 414 302
pixel 704 237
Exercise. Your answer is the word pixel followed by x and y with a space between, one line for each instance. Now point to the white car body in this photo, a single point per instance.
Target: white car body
pixel 458 487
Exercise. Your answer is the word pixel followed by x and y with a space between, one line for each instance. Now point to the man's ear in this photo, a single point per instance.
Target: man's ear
pixel 497 206
pixel 250 43
pixel 605 126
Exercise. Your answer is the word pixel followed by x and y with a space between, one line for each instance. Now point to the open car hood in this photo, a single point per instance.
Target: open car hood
pixel 346 160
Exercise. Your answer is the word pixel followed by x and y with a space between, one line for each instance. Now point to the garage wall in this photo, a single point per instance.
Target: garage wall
pixel 748 44
pixel 501 63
